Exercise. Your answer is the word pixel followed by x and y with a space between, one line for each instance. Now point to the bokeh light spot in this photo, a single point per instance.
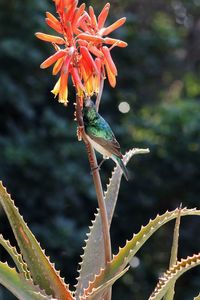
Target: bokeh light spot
pixel 135 262
pixel 124 107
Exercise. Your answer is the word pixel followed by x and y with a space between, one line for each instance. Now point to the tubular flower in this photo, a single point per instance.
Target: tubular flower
pixel 82 50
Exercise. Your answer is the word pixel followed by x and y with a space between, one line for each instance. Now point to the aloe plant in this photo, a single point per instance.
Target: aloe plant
pixel 85 57
pixel 36 278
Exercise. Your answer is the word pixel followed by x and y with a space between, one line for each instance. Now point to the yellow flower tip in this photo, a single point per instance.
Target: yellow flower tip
pixel 55 93
pixel 56 88
pixel 63 95
pixel 63 90
pixel 63 101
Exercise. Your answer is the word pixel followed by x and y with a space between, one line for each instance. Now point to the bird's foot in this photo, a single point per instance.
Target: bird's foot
pixel 98 167
pixel 94 169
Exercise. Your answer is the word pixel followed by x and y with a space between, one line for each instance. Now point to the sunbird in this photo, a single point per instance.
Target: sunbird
pixel 100 135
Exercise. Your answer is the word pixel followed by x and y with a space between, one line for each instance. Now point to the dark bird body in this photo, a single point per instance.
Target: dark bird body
pixel 100 135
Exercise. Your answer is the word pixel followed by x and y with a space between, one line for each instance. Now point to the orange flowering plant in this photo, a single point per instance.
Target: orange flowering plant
pixel 82 49
pixel 82 52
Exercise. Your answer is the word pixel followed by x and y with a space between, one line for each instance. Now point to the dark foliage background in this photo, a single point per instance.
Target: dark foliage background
pixel 45 168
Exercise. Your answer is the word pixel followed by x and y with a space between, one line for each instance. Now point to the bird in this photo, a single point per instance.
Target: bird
pixel 101 136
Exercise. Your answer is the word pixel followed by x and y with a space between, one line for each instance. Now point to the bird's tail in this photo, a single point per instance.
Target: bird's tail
pixel 119 161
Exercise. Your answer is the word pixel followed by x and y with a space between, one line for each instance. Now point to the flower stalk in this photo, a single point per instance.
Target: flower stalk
pixel 97 181
pixel 98 187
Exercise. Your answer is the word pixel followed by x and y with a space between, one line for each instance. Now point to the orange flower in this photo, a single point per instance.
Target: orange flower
pixel 80 50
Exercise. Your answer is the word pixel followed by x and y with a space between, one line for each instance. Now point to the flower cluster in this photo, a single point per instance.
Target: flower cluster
pixel 82 49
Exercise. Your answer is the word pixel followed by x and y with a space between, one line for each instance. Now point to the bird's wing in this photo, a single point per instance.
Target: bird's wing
pixel 111 146
pixel 105 138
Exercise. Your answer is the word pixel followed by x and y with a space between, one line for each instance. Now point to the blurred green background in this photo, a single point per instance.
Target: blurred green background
pixel 45 168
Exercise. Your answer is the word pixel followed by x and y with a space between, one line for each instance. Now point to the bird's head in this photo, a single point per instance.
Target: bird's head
pixel 88 103
pixel 89 110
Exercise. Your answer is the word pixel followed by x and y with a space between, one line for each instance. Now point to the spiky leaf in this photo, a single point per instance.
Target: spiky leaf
pixel 126 253
pixel 95 293
pixel 93 257
pixel 174 252
pixel 22 288
pixel 41 269
pixel 173 274
pixel 17 257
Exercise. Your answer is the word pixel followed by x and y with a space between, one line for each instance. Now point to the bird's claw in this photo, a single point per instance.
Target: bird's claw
pixel 98 167
pixel 94 169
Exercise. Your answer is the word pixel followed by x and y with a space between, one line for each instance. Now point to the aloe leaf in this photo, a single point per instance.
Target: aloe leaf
pixel 22 288
pixel 174 252
pixel 93 257
pixel 105 285
pixel 42 271
pixel 173 274
pixel 17 257
pixel 126 253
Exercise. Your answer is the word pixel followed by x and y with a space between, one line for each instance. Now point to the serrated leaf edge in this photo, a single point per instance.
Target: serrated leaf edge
pixel 106 285
pixel 153 225
pixel 16 256
pixel 47 258
pixel 127 156
pixel 32 288
pixel 197 297
pixel 173 274
pixel 174 254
